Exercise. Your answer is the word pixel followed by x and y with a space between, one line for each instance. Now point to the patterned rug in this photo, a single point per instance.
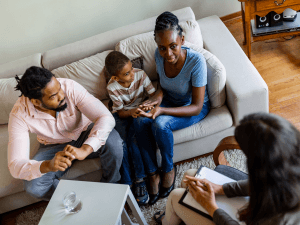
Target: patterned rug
pixel 235 157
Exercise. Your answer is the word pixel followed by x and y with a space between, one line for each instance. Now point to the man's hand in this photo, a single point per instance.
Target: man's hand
pixel 204 195
pixel 60 162
pixel 79 153
pixel 218 189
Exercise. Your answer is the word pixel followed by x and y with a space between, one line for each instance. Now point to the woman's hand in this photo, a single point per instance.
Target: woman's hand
pixel 141 112
pixel 218 189
pixel 155 112
pixel 152 101
pixel 147 108
pixel 204 194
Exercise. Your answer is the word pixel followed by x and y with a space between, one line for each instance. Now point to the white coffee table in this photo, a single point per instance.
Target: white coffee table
pixel 102 203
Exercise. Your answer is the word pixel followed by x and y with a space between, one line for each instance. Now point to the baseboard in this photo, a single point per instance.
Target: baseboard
pixel 231 16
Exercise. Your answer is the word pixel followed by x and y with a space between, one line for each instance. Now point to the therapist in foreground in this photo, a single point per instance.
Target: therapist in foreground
pixel 272 147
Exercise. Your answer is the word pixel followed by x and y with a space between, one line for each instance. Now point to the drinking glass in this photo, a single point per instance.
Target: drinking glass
pixel 71 202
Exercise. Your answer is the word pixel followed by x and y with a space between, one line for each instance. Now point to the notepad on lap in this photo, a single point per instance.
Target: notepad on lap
pixel 229 205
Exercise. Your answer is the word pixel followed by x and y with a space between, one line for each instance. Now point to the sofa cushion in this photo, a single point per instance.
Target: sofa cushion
pixel 216 120
pixel 80 168
pixel 8 97
pixel 216 76
pixel 144 45
pixel 88 72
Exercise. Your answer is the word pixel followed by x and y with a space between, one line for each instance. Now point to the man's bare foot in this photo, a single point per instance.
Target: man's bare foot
pixel 168 178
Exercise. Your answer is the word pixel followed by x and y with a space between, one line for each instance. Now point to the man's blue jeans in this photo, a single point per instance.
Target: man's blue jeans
pixel 110 157
pixel 132 165
pixel 149 132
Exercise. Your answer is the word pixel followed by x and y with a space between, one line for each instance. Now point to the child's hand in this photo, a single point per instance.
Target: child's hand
pixel 134 112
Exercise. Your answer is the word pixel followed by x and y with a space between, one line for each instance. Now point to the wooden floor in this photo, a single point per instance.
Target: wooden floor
pixel 278 62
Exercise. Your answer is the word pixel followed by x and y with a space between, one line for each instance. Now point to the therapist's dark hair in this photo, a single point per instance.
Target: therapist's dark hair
pixel 272 147
pixel 33 81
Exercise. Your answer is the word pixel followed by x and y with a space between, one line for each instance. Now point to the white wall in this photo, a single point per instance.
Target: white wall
pixel 31 26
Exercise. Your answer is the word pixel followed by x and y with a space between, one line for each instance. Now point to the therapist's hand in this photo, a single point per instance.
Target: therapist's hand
pixel 204 194
pixel 218 189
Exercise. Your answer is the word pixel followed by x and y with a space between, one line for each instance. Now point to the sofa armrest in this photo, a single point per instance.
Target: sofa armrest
pixel 246 91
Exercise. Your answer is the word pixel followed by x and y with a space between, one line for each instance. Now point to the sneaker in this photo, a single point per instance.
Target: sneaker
pixel 141 193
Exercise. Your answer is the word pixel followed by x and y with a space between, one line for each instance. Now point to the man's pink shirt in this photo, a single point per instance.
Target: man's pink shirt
pixel 83 109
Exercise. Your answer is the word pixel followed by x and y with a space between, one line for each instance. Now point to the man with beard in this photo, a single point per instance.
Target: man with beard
pixel 70 124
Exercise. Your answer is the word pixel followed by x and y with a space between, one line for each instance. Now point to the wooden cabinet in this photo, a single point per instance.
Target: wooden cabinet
pixel 265 5
pixel 251 8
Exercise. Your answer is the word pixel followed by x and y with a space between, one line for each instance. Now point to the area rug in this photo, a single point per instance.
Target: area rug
pixel 236 158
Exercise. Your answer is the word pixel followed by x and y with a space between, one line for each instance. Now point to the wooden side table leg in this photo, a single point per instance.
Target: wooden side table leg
pixel 248 38
pixel 247 15
pixel 136 209
pixel 243 20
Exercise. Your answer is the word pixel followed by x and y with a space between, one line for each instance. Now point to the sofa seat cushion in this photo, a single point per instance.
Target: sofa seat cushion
pixel 8 184
pixel 217 119
pixel 144 45
pixel 83 167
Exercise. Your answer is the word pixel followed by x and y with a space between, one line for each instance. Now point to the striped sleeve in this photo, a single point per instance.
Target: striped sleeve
pixel 115 97
pixel 148 84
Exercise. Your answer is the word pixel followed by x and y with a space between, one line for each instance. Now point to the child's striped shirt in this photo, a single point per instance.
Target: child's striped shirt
pixel 131 97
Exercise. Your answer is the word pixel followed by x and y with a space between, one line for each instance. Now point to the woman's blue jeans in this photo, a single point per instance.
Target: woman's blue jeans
pixel 149 132
pixel 132 167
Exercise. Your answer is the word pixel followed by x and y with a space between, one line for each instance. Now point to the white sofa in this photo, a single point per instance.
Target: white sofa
pixel 246 92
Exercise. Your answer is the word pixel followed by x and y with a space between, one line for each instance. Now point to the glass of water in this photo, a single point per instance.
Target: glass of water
pixel 71 202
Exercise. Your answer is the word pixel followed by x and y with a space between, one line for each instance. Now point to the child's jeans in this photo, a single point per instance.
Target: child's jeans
pixel 132 164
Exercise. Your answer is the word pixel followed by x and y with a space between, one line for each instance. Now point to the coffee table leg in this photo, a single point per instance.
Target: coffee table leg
pixel 126 219
pixel 135 209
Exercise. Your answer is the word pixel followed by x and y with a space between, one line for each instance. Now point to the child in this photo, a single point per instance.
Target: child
pixel 126 89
